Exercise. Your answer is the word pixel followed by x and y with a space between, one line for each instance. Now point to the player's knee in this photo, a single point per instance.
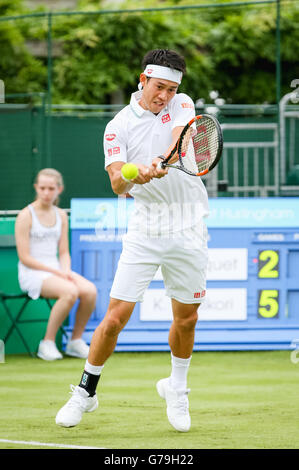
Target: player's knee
pixel 187 323
pixel 112 326
pixel 114 322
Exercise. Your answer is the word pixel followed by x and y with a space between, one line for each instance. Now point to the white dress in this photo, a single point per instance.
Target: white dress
pixel 44 248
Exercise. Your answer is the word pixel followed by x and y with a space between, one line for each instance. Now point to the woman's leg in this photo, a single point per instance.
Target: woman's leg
pixel 66 293
pixel 87 294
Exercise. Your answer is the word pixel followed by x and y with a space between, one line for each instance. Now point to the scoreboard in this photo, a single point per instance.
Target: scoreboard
pixel 252 299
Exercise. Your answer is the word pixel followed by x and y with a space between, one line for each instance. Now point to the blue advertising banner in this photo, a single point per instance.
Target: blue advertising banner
pixel 254 212
pixel 224 212
pixel 252 283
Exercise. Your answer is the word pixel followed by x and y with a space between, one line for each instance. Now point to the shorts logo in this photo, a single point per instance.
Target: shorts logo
pixel 165 118
pixel 110 137
pixel 113 151
pixel 197 295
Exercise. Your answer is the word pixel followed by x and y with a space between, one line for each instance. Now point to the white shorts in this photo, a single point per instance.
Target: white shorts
pixel 31 280
pixel 183 260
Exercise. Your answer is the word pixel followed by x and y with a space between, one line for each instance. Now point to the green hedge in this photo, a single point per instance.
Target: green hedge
pixel 230 49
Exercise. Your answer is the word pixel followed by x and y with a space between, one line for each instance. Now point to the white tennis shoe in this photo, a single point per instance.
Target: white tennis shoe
pixel 48 351
pixel 77 348
pixel 80 402
pixel 177 405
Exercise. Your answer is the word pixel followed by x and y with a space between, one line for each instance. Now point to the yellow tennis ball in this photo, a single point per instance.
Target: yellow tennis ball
pixel 129 171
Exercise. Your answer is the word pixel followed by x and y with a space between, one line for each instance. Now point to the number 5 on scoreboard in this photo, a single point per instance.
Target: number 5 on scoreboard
pixel 268 306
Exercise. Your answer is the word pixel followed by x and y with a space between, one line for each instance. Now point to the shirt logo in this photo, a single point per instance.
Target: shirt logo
pixel 166 118
pixel 187 105
pixel 110 137
pixel 113 151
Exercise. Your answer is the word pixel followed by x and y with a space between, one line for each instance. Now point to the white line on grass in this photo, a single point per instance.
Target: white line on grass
pixel 48 444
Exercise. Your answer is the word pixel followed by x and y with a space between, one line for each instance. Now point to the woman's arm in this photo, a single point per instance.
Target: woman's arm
pixel 63 247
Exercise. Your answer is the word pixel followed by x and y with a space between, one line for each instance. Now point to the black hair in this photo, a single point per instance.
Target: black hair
pixel 166 58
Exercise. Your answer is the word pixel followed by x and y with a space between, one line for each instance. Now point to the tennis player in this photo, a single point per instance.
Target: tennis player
pixel 167 229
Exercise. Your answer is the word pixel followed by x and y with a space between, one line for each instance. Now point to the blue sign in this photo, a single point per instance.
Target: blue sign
pixel 254 212
pixel 101 214
pixel 252 283
pixel 105 214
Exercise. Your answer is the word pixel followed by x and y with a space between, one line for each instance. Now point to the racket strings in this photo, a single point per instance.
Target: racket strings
pixel 187 151
pixel 186 141
pixel 199 146
pixel 205 142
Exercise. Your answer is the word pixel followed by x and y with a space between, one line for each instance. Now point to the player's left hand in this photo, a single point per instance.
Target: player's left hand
pixel 145 174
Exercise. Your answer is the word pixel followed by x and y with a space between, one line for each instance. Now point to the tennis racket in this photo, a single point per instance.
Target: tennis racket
pixel 198 148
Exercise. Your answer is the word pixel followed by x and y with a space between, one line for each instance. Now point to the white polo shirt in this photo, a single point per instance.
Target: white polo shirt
pixel 169 204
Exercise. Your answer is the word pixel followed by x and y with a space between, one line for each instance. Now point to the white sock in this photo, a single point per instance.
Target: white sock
pixel 94 370
pixel 179 372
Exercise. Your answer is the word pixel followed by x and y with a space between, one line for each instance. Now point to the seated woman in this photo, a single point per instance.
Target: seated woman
pixel 44 267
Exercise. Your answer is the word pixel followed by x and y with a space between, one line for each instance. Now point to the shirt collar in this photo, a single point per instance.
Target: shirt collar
pixel 135 106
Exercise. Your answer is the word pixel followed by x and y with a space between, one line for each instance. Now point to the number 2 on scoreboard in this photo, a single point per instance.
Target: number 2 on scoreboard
pixel 268 264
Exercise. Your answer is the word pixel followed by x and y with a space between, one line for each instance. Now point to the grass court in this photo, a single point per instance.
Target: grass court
pixel 238 400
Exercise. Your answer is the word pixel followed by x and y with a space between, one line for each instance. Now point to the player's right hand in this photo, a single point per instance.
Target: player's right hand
pixel 158 172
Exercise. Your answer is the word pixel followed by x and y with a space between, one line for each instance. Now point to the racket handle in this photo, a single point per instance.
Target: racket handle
pixel 161 166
